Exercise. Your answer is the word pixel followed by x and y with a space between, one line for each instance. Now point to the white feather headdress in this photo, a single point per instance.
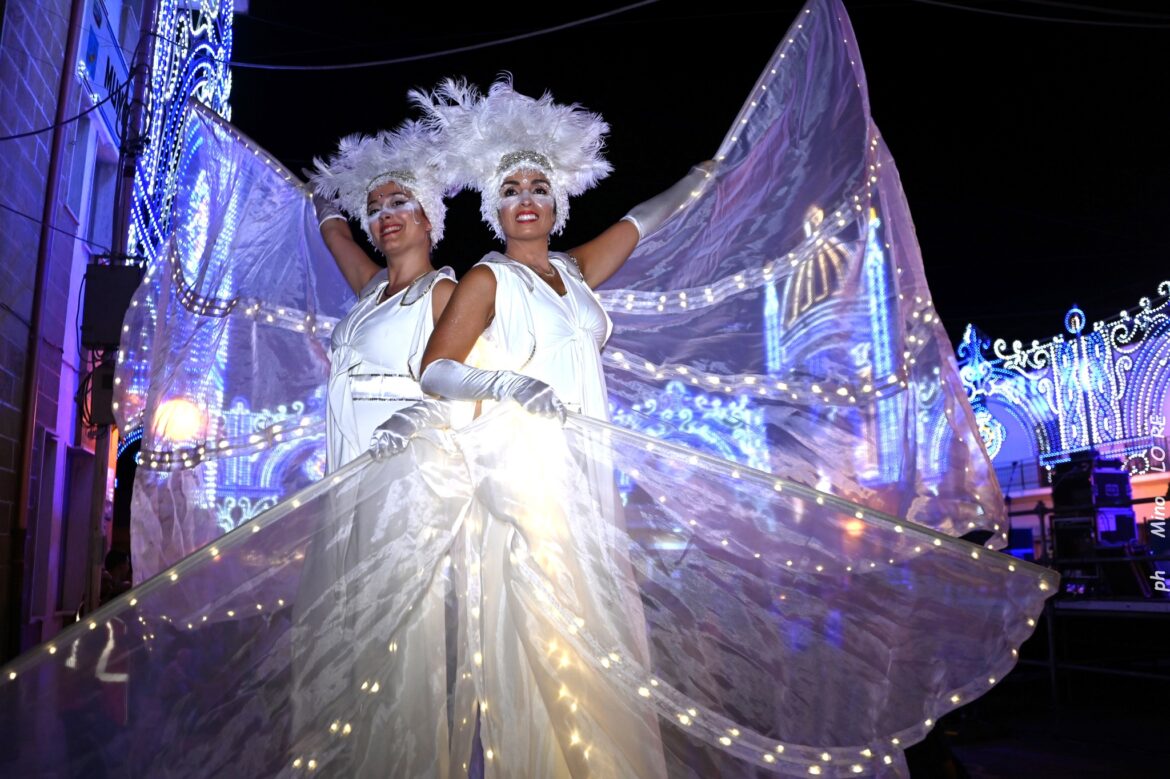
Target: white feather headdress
pixel 486 137
pixel 363 163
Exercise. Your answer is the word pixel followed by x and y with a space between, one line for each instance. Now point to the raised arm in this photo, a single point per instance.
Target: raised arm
pixel 353 262
pixel 604 255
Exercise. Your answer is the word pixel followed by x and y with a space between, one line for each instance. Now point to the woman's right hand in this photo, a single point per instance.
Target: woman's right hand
pixel 457 381
pixel 393 435
pixel 326 209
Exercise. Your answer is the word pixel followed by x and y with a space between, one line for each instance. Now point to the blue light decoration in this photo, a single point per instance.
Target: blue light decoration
pixel 1105 387
pixel 880 295
pixel 191 51
pixel 724 426
pixel 250 483
pixel 772 351
pixel 129 440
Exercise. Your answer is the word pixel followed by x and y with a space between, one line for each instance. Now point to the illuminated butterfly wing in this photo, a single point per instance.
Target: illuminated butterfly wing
pixel 782 319
pixel 224 357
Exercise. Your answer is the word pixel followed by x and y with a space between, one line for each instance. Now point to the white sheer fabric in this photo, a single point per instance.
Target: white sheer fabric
pixel 783 319
pixel 225 355
pixel 784 629
pixel 755 603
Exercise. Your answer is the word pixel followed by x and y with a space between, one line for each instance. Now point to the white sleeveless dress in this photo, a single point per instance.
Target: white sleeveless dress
pixel 542 711
pixel 554 338
pixel 375 354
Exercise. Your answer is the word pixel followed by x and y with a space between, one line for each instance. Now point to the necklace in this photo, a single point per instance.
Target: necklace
pixel 385 295
pixel 548 274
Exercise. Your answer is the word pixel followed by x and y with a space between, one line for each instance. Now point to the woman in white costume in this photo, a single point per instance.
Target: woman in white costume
pixel 543 329
pixel 385 183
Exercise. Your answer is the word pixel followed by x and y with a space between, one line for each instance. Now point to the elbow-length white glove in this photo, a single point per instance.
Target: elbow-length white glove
pixel 648 216
pixel 392 436
pixel 456 381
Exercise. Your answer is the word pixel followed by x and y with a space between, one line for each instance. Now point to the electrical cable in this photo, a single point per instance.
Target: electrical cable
pixel 71 119
pixel 1100 9
pixel 18 212
pixel 1035 18
pixel 457 50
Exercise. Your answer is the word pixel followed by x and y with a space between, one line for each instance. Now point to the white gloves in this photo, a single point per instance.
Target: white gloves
pixel 650 215
pixel 456 381
pixel 392 436
pixel 452 380
pixel 326 209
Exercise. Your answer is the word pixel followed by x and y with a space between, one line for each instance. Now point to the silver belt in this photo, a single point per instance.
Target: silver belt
pixel 384 387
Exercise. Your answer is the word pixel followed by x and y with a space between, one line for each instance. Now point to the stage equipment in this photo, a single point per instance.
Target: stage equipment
pixel 101 395
pixel 108 289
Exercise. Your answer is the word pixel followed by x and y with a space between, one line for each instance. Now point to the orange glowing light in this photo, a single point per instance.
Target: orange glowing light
pixel 178 419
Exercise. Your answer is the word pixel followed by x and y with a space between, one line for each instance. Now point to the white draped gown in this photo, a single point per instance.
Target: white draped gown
pixel 375 353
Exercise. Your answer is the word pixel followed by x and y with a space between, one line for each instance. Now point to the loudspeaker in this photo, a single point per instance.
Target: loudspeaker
pixel 108 289
pixel 1111 485
pixel 1072 482
pixel 1116 526
pixel 1086 481
pixel 1073 537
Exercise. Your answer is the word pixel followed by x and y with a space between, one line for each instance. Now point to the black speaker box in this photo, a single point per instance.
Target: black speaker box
pixel 108 289
pixel 1073 537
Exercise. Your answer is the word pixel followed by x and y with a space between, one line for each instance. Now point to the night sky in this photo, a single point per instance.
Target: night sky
pixel 1030 150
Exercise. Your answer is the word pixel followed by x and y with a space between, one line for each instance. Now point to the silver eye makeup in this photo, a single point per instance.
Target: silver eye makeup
pixel 392 205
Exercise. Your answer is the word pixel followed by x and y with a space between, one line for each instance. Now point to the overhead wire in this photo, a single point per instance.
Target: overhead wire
pixel 1038 18
pixel 29 133
pixel 445 52
pixel 18 212
pixel 1107 11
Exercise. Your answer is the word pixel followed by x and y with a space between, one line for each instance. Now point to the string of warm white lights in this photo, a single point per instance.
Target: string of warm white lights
pixel 733 738
pixel 176 573
pixel 181 458
pixel 747 280
pixel 920 332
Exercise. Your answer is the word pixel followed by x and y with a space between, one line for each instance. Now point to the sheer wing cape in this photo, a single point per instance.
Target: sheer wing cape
pixel 754 604
pixel 224 359
pixel 798 335
pixel 353 628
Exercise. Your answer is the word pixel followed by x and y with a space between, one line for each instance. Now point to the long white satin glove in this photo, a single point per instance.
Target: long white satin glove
pixel 326 208
pixel 648 216
pixel 456 381
pixel 392 436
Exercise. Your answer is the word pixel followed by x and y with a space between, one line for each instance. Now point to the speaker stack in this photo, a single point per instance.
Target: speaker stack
pixel 1094 533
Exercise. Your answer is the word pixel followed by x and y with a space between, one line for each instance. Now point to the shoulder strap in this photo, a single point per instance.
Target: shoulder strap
pixel 424 284
pixel 497 261
pixel 373 285
pixel 570 263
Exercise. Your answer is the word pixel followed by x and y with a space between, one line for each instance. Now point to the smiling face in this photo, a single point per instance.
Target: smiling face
pixel 527 208
pixel 395 219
